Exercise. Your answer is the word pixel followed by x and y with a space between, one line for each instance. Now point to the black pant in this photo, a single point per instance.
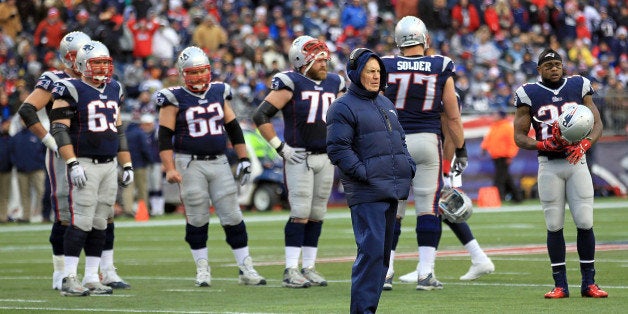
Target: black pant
pixel 503 180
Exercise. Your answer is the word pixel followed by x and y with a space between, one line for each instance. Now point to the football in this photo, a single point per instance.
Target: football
pixel 575 123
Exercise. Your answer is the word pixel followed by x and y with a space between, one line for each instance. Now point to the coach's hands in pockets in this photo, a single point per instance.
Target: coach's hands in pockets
pixel 295 155
pixel 77 174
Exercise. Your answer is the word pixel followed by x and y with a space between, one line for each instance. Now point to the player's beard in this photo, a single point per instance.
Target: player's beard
pixel 317 74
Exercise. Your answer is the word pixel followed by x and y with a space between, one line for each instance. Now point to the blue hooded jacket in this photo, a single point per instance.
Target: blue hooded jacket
pixel 367 143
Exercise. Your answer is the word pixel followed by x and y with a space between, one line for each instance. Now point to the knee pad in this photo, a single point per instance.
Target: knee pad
pixel 294 233
pixel 73 241
pixel 236 236
pixel 56 238
pixel 312 232
pixel 396 234
pixel 109 237
pixel 428 230
pixel 196 237
pixel 94 242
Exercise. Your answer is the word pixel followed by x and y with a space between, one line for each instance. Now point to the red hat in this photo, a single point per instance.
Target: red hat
pixel 82 14
pixel 53 11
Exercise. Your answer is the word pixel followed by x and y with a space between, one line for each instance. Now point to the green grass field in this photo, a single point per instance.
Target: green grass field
pixel 154 258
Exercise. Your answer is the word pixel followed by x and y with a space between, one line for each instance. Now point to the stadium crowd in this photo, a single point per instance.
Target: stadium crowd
pixel 493 44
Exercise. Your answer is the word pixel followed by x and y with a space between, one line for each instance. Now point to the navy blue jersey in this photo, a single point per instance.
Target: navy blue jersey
pixel 547 104
pixel 415 85
pixel 46 82
pixel 304 116
pixel 93 127
pixel 199 127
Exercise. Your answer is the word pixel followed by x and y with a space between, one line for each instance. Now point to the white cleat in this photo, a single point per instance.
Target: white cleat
pixel 412 277
pixel 478 270
pixel 109 277
pixel 97 288
pixel 315 278
pixel 203 274
pixel 71 287
pixel 248 275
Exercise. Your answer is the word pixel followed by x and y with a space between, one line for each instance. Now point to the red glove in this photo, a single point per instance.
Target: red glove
pixel 550 144
pixel 446 167
pixel 557 135
pixel 576 151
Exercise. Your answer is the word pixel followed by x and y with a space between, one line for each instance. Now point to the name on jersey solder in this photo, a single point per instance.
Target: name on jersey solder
pixel 414 65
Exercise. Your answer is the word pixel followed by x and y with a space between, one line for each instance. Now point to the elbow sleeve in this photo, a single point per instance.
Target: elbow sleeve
pixel 235 132
pixel 165 138
pixel 60 133
pixel 264 112
pixel 28 112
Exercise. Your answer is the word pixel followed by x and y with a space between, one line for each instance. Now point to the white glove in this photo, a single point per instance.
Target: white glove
pixel 127 175
pixel 51 144
pixel 77 174
pixel 243 171
pixel 295 155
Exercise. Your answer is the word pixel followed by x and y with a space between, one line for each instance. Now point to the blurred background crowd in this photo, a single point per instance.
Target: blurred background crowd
pixel 494 44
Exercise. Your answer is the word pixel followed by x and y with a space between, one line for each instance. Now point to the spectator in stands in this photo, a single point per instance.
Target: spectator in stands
pixel 354 14
pixel 143 31
pixel 28 154
pixel 209 35
pixel 10 22
pixel 84 23
pixel 466 15
pixel 165 41
pixel 49 32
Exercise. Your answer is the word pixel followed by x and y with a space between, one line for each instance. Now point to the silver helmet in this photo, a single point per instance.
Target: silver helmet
pixel 70 44
pixel 305 50
pixel 94 62
pixel 195 69
pixel 411 31
pixel 455 205
pixel 575 123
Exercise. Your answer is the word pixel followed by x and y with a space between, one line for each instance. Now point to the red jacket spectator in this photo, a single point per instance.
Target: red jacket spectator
pixel 143 32
pixel 50 31
pixel 467 16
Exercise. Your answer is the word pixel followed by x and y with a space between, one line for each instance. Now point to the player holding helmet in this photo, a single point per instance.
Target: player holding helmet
pixel 39 99
pixel 86 126
pixel 422 87
pixel 197 116
pixel 303 95
pixel 563 174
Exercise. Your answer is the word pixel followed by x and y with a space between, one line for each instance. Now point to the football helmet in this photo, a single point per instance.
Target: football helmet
pixel 575 123
pixel 305 50
pixel 411 31
pixel 192 62
pixel 94 63
pixel 455 205
pixel 70 44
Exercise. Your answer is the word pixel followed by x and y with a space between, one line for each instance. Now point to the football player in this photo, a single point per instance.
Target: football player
pixel 303 96
pixel 197 116
pixel 563 173
pixel 86 126
pixel 39 99
pixel 422 87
